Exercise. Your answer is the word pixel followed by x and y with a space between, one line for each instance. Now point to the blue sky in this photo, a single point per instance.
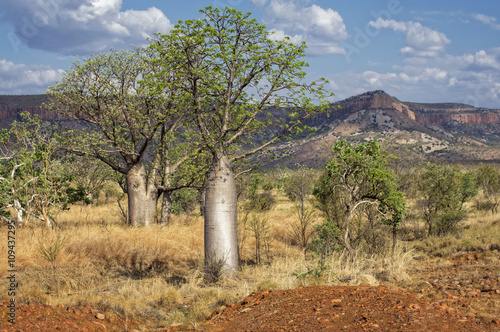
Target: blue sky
pixel 415 50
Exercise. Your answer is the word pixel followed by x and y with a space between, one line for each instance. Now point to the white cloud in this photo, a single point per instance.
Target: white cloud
pixel 379 80
pixel 259 3
pixel 484 60
pixel 82 27
pixel 322 29
pixel 488 20
pixel 471 78
pixel 276 34
pixel 420 41
pixel 25 79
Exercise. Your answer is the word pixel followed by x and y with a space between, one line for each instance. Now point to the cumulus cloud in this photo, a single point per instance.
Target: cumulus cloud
pixel 24 79
pixel 471 78
pixel 81 27
pixel 483 60
pixel 322 29
pixel 488 20
pixel 420 41
pixel 379 80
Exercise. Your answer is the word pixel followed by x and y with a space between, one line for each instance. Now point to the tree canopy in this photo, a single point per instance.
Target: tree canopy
pixel 443 192
pixel 231 73
pixel 358 176
pixel 128 124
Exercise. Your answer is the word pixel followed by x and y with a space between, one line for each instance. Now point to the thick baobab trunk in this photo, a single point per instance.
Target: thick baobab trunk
pixel 221 224
pixel 142 198
pixel 166 207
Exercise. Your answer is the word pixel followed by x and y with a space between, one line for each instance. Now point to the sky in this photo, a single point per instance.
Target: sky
pixel 415 50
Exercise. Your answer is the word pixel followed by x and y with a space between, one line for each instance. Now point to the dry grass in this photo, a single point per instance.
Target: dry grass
pixel 156 272
pixel 479 232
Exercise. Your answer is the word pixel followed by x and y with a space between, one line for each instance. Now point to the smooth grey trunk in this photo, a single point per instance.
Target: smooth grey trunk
pixel 221 223
pixel 166 207
pixel 142 198
pixel 202 203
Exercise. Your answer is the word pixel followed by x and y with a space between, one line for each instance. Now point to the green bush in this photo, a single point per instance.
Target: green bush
pixel 261 202
pixel 184 200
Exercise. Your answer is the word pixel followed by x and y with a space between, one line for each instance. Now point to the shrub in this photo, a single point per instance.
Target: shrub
pixel 261 202
pixel 443 192
pixel 184 200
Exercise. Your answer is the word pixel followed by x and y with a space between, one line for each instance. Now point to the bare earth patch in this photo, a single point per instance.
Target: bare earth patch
pixel 459 293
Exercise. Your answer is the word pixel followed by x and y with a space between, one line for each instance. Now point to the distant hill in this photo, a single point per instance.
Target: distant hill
pixel 11 108
pixel 451 131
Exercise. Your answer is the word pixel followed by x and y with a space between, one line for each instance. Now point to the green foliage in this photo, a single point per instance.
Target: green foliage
pixel 232 74
pixel 248 189
pixel 255 181
pixel 443 192
pixel 325 241
pixel 267 186
pixel 488 179
pixel 261 202
pixel 357 177
pixel 33 179
pixel 132 123
pixel 184 200
pixel 89 175
pixel 78 194
pixel 324 244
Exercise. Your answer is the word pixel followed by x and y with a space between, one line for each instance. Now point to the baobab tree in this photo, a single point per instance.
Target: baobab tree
pixel 234 73
pixel 135 128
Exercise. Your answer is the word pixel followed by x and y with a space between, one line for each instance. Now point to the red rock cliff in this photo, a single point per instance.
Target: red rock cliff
pixel 427 114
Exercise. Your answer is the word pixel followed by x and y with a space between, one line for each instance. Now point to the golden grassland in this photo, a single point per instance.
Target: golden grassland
pixel 157 272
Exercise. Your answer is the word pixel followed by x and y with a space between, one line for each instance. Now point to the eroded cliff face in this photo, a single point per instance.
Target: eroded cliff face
pixel 7 113
pixel 427 114
pixel 11 108
pixel 14 113
pixel 466 118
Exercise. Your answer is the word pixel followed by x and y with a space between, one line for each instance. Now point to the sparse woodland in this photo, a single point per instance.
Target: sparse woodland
pixel 81 238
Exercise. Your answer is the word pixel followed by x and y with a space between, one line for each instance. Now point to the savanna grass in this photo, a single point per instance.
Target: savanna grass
pixel 157 272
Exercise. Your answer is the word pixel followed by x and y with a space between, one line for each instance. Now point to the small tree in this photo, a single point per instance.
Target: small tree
pixel 260 226
pixel 33 180
pixel 355 177
pixel 88 173
pixel 298 186
pixel 488 179
pixel 443 191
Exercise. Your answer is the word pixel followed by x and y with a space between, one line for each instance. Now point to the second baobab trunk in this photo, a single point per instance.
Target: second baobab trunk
pixel 142 197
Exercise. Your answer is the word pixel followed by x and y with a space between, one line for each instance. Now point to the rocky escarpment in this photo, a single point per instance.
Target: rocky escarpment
pixel 424 113
pixel 427 114
pixel 11 108
pixel 485 117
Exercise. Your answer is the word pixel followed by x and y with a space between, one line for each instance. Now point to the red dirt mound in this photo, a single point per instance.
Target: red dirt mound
pixel 315 308
pixel 341 308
